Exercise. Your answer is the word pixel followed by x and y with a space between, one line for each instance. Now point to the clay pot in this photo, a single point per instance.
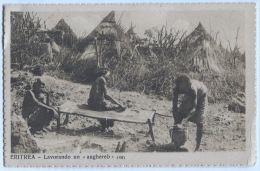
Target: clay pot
pixel 178 135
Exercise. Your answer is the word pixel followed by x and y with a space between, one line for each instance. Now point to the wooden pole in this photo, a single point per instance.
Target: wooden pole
pixel 153 118
pixel 96 47
pixel 118 147
pixel 66 119
pixel 151 129
pixel 58 121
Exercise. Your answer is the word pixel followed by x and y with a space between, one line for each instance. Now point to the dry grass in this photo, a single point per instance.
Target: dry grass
pixel 153 75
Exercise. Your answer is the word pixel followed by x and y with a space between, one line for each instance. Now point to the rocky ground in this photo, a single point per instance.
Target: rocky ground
pixel 224 130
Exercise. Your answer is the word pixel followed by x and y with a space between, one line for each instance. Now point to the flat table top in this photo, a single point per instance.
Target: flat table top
pixel 129 115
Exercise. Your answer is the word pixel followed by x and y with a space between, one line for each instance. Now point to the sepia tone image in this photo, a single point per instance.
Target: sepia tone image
pixel 127 81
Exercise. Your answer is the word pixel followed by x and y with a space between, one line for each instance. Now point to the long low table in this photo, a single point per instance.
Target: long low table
pixel 140 116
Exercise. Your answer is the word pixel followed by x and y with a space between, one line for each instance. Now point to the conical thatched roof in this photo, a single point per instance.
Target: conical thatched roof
pixel 108 30
pixel 107 41
pixel 201 51
pixel 69 37
pixel 110 17
pixel 131 31
pixel 63 26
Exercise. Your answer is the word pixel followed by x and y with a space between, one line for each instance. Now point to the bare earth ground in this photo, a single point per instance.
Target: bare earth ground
pixel 224 130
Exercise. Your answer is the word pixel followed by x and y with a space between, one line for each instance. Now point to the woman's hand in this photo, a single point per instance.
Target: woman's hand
pixel 55 114
pixel 185 120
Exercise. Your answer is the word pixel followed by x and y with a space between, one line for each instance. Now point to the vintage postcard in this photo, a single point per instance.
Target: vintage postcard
pixel 103 85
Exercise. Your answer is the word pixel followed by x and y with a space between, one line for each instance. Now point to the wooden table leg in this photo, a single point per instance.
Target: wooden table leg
pixel 66 119
pixel 153 119
pixel 151 129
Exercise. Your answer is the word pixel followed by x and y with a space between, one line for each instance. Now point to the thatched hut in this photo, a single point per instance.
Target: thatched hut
pixel 106 44
pixel 201 52
pixel 66 36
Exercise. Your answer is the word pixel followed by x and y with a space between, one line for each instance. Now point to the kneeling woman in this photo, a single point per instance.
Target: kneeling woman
pixel 99 98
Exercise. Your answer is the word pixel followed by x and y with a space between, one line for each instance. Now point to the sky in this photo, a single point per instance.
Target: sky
pixel 226 22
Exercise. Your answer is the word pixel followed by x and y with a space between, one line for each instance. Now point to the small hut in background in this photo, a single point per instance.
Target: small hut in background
pixel 106 44
pixel 201 52
pixel 132 35
pixel 65 35
pixel 107 40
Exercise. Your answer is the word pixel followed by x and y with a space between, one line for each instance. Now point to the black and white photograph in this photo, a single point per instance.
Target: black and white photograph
pixel 107 82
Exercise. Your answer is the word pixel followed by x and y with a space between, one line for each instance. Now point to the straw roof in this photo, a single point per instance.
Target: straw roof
pixel 63 26
pixel 201 51
pixel 105 42
pixel 69 37
pixel 107 30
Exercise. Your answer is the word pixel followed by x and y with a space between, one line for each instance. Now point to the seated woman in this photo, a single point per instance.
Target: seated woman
pixel 36 109
pixel 99 98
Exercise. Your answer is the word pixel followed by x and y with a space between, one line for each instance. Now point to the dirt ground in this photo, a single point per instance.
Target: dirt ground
pixel 224 130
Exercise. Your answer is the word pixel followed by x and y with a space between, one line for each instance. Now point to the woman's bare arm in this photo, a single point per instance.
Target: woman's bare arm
pixel 175 101
pixel 40 103
pixel 193 95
